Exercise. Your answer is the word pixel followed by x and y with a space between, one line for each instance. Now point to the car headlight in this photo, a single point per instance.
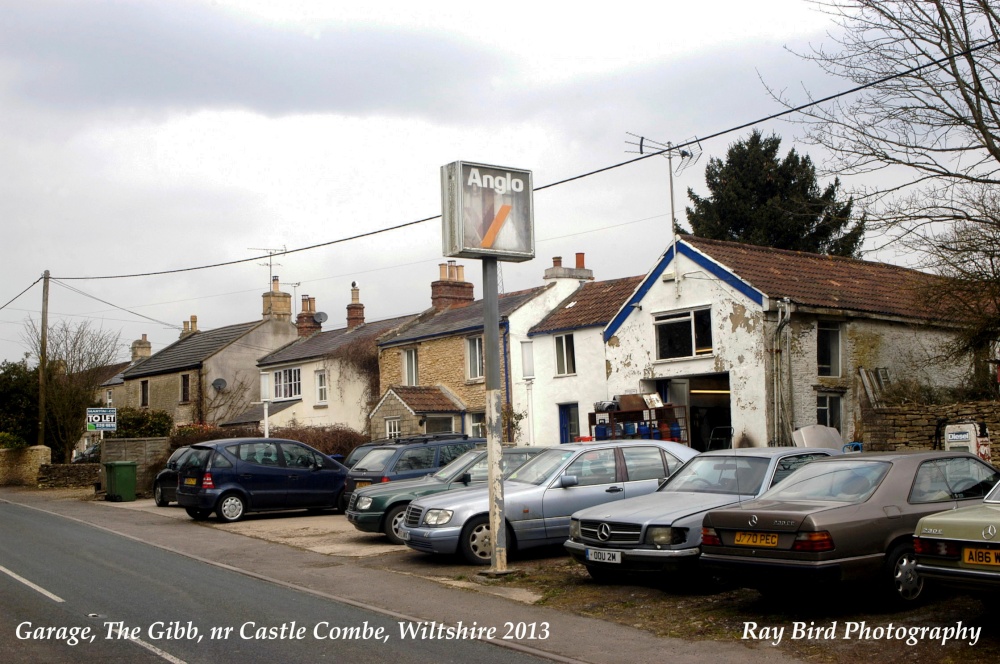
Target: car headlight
pixel 659 535
pixel 437 517
pixel 574 529
pixel 364 502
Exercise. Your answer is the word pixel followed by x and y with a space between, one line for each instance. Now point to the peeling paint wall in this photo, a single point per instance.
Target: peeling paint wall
pixel 740 341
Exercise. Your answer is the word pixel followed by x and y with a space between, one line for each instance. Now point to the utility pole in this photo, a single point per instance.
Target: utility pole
pixel 43 355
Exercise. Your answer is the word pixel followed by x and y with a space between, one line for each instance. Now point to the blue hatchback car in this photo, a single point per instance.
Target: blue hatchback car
pixel 238 475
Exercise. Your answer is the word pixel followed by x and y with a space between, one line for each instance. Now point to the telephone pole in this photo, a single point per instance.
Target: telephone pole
pixel 42 357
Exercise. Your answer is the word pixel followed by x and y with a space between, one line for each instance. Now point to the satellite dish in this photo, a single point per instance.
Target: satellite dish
pixel 219 384
pixel 320 317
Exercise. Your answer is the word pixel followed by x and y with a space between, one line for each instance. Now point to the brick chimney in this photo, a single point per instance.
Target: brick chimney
pixel 355 310
pixel 579 273
pixel 141 349
pixel 277 305
pixel 306 322
pixel 189 327
pixel 451 289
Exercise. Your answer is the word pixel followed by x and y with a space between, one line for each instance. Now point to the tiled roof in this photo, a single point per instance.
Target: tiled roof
pixel 112 374
pixel 327 343
pixel 426 399
pixel 591 305
pixel 255 415
pixel 191 351
pixel 824 281
pixel 460 319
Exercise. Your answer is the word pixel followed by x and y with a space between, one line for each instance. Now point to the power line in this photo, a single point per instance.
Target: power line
pixel 787 111
pixel 134 313
pixel 21 293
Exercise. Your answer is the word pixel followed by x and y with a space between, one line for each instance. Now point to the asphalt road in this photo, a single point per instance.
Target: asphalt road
pixel 74 593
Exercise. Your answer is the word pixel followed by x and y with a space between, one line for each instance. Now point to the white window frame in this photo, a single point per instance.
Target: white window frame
pixel 477 425
pixel 322 388
pixel 671 318
pixel 827 404
pixel 411 367
pixel 565 355
pixel 829 333
pixel 287 384
pixel 474 358
pixel 527 359
pixel 107 397
pixel 393 427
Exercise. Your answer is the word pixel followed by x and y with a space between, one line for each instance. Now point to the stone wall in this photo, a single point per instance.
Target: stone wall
pixel 64 475
pixel 149 454
pixel 20 467
pixel 913 426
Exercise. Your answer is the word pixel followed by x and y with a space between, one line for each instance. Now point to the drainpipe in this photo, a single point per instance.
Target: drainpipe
pixel 784 312
pixel 506 358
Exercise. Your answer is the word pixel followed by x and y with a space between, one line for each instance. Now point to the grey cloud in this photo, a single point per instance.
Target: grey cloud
pixel 177 54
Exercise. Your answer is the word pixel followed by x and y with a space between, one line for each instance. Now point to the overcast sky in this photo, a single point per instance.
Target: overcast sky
pixel 149 136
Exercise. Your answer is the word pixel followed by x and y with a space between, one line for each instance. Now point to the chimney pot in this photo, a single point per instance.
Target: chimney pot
pixel 579 261
pixel 460 272
pixel 443 269
pixel 144 337
pixel 275 284
pixel 194 323
pixel 557 261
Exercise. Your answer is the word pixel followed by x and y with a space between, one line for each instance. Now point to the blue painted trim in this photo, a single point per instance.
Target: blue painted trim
pixel 699 259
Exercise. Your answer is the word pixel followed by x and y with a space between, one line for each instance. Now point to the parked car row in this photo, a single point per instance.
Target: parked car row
pixel 766 518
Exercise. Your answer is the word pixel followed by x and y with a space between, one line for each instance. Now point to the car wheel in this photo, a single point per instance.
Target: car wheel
pixel 907 585
pixel 158 497
pixel 197 513
pixel 393 523
pixel 477 541
pixel 230 508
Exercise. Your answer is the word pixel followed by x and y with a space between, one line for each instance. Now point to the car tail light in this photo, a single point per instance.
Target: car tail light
pixel 931 547
pixel 206 481
pixel 821 541
pixel 384 479
pixel 710 537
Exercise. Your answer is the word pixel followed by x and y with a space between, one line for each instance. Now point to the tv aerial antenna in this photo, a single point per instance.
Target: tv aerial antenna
pixel 687 155
pixel 271 253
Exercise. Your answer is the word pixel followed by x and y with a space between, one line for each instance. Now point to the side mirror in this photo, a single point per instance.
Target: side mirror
pixel 566 481
pixel 465 478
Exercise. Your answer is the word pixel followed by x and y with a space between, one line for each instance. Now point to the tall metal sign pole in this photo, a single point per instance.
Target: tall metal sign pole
pixel 487 214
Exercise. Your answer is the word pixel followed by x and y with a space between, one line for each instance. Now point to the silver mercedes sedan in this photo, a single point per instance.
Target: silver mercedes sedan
pixel 662 531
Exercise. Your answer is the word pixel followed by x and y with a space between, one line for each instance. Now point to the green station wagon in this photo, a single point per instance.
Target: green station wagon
pixel 380 508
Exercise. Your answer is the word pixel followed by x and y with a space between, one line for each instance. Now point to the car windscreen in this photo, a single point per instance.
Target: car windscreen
pixel 375 460
pixel 509 462
pixel 356 454
pixel 845 482
pixel 539 469
pixel 453 469
pixel 720 474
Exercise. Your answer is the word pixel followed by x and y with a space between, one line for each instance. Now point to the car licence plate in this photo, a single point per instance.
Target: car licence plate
pixel 360 484
pixel 190 481
pixel 404 535
pixel 981 556
pixel 744 538
pixel 602 556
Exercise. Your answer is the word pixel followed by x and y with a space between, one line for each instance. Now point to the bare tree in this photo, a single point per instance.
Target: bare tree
pixel 930 120
pixel 928 126
pixel 78 361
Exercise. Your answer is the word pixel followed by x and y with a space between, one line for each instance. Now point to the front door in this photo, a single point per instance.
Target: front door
pixel 569 422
